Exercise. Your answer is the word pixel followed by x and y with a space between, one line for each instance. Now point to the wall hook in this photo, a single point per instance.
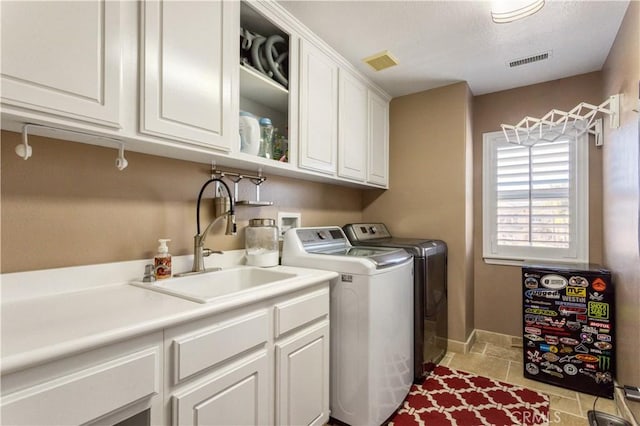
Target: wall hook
pixel 24 150
pixel 121 162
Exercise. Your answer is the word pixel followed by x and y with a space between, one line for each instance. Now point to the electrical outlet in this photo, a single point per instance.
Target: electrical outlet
pixel 632 393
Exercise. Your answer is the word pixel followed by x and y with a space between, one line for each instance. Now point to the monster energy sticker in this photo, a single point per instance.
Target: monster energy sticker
pixel 598 310
pixel 604 362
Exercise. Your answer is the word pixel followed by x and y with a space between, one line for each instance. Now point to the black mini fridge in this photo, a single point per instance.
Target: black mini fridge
pixel 568 326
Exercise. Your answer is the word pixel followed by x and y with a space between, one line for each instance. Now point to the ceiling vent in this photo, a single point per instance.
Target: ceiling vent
pixel 530 59
pixel 381 61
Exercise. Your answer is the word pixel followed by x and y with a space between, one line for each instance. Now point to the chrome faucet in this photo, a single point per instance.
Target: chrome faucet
pixel 199 251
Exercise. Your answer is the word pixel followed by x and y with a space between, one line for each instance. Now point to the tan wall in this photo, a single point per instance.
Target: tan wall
pixel 497 288
pixel 621 74
pixel 69 205
pixel 428 178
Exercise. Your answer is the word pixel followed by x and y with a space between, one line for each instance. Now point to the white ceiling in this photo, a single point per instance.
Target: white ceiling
pixel 443 42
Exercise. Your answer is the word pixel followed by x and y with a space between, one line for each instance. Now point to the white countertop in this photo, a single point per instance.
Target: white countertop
pixel 50 325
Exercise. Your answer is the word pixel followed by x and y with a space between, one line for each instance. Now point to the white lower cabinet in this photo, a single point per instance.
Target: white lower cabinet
pixel 238 395
pixel 302 377
pixel 267 363
pixel 103 386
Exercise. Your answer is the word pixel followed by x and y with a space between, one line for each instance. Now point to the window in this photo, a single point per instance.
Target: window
pixel 535 200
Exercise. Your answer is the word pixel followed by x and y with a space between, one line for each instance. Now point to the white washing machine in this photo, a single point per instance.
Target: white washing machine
pixel 371 321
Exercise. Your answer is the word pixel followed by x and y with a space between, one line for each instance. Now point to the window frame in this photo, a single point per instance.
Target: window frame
pixel 579 214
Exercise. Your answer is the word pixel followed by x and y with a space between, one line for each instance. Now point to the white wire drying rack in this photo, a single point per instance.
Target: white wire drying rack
pixel 556 123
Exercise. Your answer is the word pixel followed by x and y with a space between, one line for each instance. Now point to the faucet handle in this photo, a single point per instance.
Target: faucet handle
pixel 149 275
pixel 208 252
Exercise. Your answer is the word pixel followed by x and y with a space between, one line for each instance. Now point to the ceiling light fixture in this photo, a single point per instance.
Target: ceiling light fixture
pixel 504 11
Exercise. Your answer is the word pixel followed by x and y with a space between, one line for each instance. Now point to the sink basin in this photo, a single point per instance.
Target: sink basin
pixel 208 286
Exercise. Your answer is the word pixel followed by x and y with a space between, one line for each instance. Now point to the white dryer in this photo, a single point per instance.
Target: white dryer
pixel 371 321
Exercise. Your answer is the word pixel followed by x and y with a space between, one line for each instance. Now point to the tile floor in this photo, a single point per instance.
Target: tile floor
pixel 568 408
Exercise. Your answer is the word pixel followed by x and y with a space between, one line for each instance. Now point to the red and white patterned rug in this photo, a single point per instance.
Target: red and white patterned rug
pixel 453 397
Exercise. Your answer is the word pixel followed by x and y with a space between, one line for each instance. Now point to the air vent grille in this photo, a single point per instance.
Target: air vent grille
pixel 381 61
pixel 529 59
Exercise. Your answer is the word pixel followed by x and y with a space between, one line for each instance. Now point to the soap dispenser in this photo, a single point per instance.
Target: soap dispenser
pixel 162 261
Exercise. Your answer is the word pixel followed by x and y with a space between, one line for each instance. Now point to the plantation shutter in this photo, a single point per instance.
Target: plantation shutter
pixel 535 200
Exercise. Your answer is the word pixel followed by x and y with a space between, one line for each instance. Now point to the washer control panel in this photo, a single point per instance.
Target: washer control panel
pixel 366 231
pixel 318 235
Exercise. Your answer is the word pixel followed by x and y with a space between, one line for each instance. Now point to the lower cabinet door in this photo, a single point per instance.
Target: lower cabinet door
pixel 236 396
pixel 302 377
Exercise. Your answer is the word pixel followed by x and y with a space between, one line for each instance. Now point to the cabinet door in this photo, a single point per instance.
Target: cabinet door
pixel 63 58
pixel 111 382
pixel 318 109
pixel 237 396
pixel 302 378
pixel 378 170
pixel 189 71
pixel 352 127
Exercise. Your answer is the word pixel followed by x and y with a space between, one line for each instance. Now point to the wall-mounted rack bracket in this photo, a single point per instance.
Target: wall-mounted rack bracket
pixel 557 123
pixel 234 177
pixel 25 151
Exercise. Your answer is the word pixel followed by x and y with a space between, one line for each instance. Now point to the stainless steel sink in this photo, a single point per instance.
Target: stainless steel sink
pixel 205 287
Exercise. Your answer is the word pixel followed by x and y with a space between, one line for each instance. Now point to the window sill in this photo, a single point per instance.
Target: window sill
pixel 505 262
pixel 520 262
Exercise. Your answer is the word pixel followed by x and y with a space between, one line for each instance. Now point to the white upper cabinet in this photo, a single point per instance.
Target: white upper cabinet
pixel 269 76
pixel 378 167
pixel 318 141
pixel 189 84
pixel 352 127
pixel 62 58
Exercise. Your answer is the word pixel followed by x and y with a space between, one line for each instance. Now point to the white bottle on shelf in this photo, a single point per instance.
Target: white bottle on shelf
pixel 249 133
